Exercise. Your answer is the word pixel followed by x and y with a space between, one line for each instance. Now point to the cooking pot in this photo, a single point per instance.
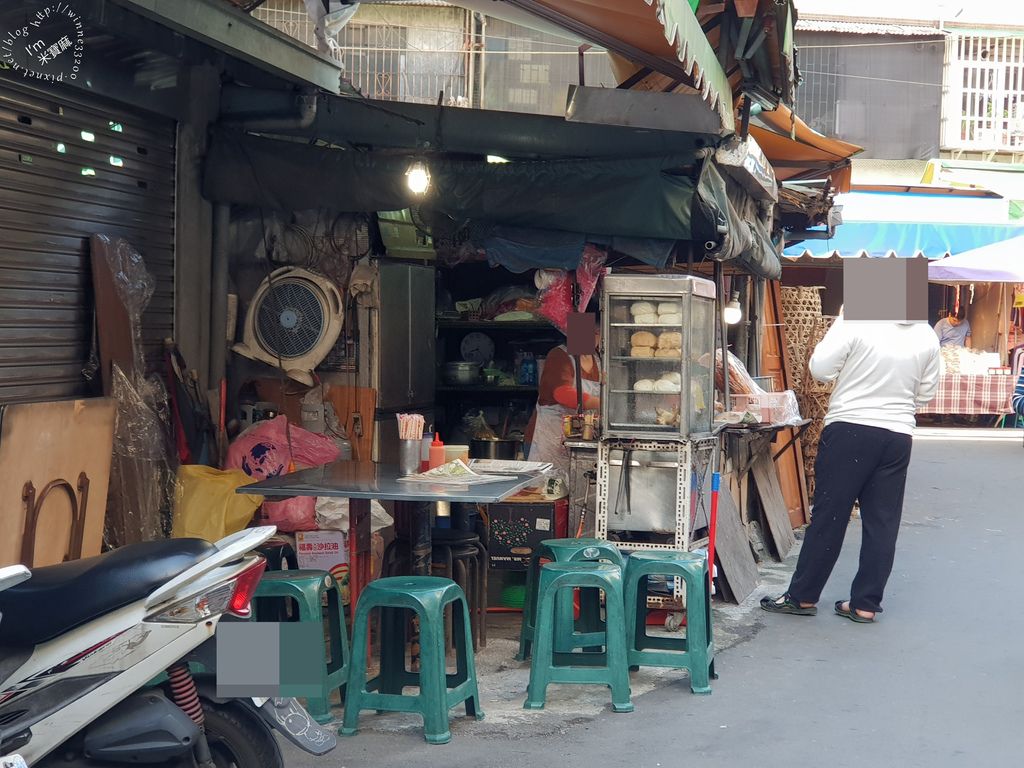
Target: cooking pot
pixel 495 448
pixel 462 373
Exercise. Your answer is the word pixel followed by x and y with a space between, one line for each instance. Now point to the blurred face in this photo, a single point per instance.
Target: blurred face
pixel 954 320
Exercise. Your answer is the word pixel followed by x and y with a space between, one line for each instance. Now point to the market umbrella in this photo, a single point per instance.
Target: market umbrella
pixel 1001 262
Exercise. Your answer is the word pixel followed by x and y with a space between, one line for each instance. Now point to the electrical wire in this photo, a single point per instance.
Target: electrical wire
pixel 926 40
pixel 874 79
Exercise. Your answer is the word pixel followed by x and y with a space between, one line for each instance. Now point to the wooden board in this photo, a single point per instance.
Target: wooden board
pixel 732 551
pixel 790 465
pixel 42 442
pixel 356 400
pixel 773 503
pixel 285 394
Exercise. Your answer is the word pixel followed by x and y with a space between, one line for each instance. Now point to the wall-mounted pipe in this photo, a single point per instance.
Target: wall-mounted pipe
pixel 306 108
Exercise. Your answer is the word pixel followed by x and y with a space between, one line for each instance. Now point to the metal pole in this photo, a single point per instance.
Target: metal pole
pixel 219 294
pixel 719 305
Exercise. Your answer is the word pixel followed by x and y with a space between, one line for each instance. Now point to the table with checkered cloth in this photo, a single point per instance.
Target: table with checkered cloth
pixel 972 395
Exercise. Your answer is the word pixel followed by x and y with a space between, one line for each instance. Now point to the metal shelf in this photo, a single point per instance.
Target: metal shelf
pixel 678 326
pixel 493 325
pixel 484 388
pixel 643 392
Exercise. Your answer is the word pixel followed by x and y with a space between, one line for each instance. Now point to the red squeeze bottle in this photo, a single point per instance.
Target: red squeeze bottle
pixel 436 452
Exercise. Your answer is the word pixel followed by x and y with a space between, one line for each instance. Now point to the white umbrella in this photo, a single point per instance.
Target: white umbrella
pixel 1001 262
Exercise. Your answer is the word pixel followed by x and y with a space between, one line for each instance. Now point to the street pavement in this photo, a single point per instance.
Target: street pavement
pixel 937 681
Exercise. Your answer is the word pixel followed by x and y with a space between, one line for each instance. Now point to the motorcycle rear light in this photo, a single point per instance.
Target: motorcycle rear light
pixel 198 608
pixel 245 588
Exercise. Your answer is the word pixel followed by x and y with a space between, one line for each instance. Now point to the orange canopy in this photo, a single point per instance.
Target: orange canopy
pixel 797 152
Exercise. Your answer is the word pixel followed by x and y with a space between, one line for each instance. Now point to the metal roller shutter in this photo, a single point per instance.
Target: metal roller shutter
pixel 72 166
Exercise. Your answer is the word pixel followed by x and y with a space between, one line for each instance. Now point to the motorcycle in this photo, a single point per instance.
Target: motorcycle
pixel 111 660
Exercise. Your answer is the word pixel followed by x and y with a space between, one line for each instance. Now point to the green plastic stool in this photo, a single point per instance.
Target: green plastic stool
pixel 548 666
pixel 566 551
pixel 695 652
pixel 439 692
pixel 308 589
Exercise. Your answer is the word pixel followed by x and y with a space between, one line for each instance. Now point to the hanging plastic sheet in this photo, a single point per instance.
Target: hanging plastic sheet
pixel 144 463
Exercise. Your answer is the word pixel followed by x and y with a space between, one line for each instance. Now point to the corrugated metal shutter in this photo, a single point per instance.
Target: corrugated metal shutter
pixel 71 166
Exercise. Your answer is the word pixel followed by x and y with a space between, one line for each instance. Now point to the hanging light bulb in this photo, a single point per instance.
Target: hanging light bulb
pixel 418 178
pixel 731 312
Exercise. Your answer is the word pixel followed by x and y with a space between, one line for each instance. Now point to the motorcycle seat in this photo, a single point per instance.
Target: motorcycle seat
pixel 59 598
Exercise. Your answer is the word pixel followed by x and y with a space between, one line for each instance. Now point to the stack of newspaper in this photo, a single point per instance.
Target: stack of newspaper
pixel 454 473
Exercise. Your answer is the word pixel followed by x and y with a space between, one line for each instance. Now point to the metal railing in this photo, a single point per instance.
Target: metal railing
pixel 983 108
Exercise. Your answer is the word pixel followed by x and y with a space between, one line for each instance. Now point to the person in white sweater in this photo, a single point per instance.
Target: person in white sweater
pixel 883 372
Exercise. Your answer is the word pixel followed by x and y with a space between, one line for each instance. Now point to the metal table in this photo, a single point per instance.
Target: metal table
pixel 361 482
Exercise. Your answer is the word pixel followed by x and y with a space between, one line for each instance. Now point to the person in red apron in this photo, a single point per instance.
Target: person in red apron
pixel 556 399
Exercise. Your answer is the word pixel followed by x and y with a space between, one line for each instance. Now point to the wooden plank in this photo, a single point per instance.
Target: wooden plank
pixel 349 401
pixel 736 563
pixel 767 481
pixel 773 363
pixel 43 442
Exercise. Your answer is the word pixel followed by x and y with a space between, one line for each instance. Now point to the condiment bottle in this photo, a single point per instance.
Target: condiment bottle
pixel 436 452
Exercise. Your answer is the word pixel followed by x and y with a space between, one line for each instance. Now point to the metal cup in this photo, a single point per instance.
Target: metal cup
pixel 409 457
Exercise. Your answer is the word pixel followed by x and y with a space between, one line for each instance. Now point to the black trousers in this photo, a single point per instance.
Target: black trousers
pixel 854 462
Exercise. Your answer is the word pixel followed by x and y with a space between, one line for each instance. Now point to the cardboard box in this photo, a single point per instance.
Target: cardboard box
pixel 325 551
pixel 515 529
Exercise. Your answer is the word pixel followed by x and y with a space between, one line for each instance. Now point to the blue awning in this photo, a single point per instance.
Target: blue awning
pixel 933 240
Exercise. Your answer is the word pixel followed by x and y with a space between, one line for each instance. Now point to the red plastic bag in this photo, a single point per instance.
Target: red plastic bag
pixel 556 299
pixel 589 271
pixel 266 450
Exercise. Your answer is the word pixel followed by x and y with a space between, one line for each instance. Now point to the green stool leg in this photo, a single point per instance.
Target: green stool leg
pixel 618 662
pixel 432 678
pixel 465 674
pixel 357 671
pixel 698 630
pixel 543 656
pixel 527 626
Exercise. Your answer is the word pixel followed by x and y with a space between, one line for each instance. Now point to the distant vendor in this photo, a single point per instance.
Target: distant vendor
pixel 954 330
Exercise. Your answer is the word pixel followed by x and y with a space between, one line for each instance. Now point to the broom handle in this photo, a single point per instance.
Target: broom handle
pixel 716 480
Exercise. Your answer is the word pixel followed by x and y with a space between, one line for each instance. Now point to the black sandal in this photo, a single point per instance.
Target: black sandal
pixel 786 604
pixel 851 614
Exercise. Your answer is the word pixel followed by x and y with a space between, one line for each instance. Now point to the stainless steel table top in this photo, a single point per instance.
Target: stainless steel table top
pixel 365 480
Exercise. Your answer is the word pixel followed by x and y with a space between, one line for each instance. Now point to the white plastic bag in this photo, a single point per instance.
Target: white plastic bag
pixel 332 515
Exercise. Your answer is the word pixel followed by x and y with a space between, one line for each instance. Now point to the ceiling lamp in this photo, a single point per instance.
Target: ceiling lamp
pixel 731 312
pixel 417 177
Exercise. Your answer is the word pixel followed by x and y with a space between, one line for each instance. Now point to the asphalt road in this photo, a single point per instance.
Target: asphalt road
pixel 936 682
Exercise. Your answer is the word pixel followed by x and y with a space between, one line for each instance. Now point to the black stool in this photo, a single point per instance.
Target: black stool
pixel 278 553
pixel 459 556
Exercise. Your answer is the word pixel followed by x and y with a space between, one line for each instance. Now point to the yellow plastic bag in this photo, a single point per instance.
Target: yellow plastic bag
pixel 206 505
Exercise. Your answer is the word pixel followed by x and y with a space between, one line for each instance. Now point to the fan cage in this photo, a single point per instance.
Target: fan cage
pixel 291 318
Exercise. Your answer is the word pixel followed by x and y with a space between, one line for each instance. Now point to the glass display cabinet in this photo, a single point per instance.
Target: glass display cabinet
pixel 659 337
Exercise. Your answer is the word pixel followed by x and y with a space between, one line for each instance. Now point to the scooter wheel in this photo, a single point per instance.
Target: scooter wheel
pixel 238 738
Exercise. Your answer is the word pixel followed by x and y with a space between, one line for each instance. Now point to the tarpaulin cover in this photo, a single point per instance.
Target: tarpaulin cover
pixel 633 198
pixel 742 237
pixel 519 250
pixel 641 198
